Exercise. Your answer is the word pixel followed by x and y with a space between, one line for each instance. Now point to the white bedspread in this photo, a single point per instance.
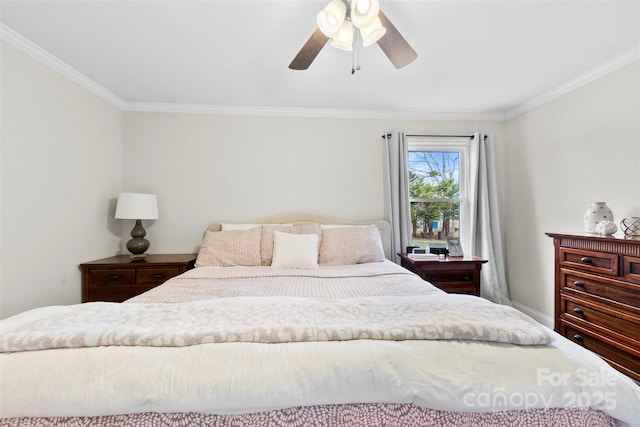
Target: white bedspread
pixel 449 375
pixel 242 377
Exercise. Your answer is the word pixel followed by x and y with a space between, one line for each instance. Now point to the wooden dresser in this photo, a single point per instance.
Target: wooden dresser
pixel 456 275
pixel 597 296
pixel 119 277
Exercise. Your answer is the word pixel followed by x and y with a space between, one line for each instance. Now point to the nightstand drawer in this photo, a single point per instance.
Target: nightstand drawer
pixel 459 288
pixel 456 275
pixel 119 278
pixel 113 277
pixel 155 275
pixel 118 293
pixel 445 278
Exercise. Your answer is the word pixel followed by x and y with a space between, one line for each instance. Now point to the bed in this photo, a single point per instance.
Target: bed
pixel 300 321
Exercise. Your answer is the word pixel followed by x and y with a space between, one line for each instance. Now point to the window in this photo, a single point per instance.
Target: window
pixel 437 188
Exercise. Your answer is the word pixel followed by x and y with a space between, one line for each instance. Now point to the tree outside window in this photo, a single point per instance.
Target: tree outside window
pixel 434 191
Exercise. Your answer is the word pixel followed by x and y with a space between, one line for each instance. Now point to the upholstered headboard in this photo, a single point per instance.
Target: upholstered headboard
pixel 383 226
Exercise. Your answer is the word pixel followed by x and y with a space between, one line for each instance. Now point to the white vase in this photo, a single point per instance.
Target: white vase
pixel 597 212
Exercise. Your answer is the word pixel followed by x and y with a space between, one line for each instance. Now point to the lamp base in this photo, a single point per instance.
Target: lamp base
pixel 138 245
pixel 137 257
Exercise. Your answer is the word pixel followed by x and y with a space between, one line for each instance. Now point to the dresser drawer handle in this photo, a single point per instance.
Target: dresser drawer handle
pixel 585 260
pixel 467 278
pixel 578 310
pixel 578 283
pixel 157 276
pixel 112 277
pixel 577 337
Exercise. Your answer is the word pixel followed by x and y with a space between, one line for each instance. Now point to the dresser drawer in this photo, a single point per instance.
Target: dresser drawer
pixel 107 277
pixel 155 275
pixel 595 262
pixel 623 360
pixel 592 317
pixel 631 268
pixel 602 287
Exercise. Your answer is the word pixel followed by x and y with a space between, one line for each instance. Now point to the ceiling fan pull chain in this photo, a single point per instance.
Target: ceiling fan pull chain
pixel 355 53
pixel 356 46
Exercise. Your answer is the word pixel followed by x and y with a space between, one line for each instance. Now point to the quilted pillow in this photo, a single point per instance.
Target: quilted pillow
pixel 351 245
pixel 267 242
pixel 230 248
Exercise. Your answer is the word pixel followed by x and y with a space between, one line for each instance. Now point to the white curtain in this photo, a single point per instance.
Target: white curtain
pixel 397 206
pixel 485 235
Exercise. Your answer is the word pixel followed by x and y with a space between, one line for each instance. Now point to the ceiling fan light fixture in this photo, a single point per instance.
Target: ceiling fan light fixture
pixel 372 33
pixel 364 12
pixel 344 39
pixel 331 18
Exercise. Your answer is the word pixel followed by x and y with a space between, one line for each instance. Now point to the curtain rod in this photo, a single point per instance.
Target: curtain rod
pixel 446 136
pixel 435 136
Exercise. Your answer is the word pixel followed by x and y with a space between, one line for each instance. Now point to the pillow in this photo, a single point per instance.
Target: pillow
pixel 230 248
pixel 351 245
pixel 225 226
pixel 295 250
pixel 266 244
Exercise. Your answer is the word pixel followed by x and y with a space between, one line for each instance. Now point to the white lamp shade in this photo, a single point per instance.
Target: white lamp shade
pixel 372 33
pixel 364 12
pixel 344 39
pixel 330 19
pixel 137 206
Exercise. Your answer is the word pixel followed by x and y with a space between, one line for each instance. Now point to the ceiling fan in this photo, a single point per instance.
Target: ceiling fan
pixel 345 22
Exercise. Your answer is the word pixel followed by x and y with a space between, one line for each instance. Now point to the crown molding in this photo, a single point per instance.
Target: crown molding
pixel 27 46
pixel 311 112
pixel 31 49
pixel 39 54
pixel 581 80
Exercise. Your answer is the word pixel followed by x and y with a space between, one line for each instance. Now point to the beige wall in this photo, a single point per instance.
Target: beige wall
pixel 562 156
pixel 61 163
pixel 66 154
pixel 207 168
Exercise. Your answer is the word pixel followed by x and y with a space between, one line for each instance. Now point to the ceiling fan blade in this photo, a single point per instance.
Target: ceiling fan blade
pixel 309 51
pixel 394 45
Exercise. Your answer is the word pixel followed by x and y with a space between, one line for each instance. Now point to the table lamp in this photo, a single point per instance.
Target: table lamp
pixel 137 206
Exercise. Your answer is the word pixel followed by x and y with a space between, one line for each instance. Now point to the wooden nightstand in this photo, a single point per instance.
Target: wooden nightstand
pixel 119 278
pixel 456 275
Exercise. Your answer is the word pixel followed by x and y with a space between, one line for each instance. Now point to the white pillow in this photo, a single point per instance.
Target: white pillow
pixel 295 250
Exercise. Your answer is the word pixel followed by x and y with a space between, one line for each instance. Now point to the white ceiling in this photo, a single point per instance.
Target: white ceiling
pixel 474 57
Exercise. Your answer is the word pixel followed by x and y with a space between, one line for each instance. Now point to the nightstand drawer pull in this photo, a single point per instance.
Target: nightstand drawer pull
pixel 158 276
pixel 578 283
pixel 577 337
pixel 578 310
pixel 112 277
pixel 586 260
